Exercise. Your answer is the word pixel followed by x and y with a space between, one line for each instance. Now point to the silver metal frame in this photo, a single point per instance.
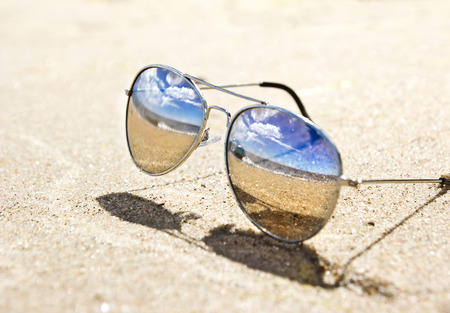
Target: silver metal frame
pixel 343 181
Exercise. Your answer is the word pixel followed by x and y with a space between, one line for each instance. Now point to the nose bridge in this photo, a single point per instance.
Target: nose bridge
pixel 222 110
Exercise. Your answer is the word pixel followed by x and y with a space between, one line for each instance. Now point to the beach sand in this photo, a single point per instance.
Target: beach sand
pixel 83 230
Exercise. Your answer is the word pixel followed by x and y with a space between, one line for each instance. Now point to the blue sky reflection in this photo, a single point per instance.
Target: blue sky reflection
pixel 285 139
pixel 169 95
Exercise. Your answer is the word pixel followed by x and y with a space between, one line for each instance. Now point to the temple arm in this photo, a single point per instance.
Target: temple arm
pixel 444 180
pixel 289 90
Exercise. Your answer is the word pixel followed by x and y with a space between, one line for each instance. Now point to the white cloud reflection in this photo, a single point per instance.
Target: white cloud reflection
pixel 261 115
pixel 156 92
pixel 174 79
pixel 246 130
pixel 267 131
pixel 178 94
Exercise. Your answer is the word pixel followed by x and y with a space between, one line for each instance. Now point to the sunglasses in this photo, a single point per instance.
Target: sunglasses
pixel 284 171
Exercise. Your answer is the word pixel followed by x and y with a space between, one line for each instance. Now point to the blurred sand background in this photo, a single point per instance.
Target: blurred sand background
pixel 81 230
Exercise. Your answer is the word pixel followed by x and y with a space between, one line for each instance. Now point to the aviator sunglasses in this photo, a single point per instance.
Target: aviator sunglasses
pixel 284 171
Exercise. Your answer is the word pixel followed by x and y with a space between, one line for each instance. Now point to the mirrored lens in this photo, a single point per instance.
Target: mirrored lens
pixel 284 172
pixel 164 118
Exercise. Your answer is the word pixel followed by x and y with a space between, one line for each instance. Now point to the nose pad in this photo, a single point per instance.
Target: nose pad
pixel 207 140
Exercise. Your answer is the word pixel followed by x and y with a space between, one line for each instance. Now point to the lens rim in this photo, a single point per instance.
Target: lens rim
pixel 310 124
pixel 200 134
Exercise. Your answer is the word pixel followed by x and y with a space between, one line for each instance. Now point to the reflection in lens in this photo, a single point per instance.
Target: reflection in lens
pixel 283 171
pixel 164 117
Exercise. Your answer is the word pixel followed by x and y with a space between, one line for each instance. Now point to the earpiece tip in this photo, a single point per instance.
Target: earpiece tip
pixel 445 179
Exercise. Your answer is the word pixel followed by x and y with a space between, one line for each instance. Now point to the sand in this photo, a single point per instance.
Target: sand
pixel 83 230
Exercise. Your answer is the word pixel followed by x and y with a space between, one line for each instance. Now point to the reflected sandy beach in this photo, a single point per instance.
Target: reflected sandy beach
pixel 155 149
pixel 291 207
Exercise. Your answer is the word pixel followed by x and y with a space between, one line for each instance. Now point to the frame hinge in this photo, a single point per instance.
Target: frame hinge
pixel 345 181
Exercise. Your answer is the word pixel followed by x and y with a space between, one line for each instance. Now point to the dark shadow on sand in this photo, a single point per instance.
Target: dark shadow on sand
pixel 297 262
pixel 135 209
pixel 257 251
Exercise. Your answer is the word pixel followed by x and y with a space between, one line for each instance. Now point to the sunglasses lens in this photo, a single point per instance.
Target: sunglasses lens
pixel 284 172
pixel 165 115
